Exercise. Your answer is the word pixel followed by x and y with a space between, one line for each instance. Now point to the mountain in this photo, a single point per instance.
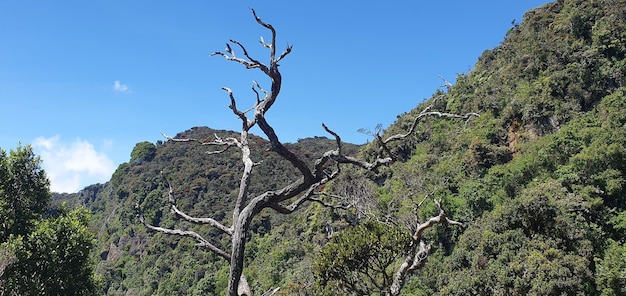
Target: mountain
pixel 539 177
pixel 539 180
pixel 133 261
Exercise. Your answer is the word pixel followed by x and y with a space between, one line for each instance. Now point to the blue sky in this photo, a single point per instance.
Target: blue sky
pixel 84 81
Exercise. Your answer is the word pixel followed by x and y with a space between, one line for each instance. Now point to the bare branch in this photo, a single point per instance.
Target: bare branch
pixel 233 107
pixel 330 205
pixel 201 241
pixel 422 115
pixel 271 28
pixel 433 220
pixel 253 63
pixel 227 143
pixel 417 258
pixel 298 202
pixel 369 166
pixel 337 138
pixel 271 292
pixel 308 196
pixel 232 57
pixel 446 84
pixel 278 147
pixel 285 53
pixel 266 45
pixel 258 86
pixel 209 221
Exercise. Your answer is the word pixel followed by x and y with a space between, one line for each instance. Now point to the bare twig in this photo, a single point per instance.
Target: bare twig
pixel 201 241
pixel 184 216
pixel 227 143
pixel 271 292
pixel 422 115
pixel 417 258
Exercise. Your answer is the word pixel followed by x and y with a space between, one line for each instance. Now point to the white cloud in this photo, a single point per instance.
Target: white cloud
pixel 71 167
pixel 120 87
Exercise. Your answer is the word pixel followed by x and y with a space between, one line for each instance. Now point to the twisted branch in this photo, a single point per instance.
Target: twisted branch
pixel 201 241
pixel 184 216
pixel 228 142
pixel 304 189
pixel 417 258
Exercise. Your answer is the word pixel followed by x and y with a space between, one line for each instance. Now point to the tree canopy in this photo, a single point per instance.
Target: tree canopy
pixel 43 250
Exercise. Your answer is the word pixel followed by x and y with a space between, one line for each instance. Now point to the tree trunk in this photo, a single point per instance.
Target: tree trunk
pixel 237 285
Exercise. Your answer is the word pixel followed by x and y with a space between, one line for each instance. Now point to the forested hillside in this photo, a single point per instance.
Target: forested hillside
pixel 136 262
pixel 538 181
pixel 539 178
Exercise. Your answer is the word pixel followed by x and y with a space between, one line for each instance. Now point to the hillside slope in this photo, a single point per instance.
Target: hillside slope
pixel 539 179
pixel 133 261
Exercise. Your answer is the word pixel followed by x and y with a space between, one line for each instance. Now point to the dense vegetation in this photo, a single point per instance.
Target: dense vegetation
pixel 540 176
pixel 140 263
pixel 539 180
pixel 43 250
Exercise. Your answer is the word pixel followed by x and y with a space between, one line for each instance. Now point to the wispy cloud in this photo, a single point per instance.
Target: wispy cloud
pixel 72 166
pixel 120 87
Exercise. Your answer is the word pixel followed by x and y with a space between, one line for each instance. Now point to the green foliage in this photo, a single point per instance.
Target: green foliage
pixel 611 270
pixel 533 246
pixel 131 260
pixel 43 251
pixel 540 176
pixel 24 192
pixel 546 214
pixel 361 260
pixel 53 259
pixel 143 151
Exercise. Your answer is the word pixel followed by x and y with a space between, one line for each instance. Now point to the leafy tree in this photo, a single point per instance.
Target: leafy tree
pixel 143 151
pixel 537 245
pixel 42 251
pixel 53 259
pixel 361 260
pixel 611 274
pixel 24 192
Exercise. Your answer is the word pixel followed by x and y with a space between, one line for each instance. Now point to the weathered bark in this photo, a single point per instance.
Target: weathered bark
pixel 416 259
pixel 289 198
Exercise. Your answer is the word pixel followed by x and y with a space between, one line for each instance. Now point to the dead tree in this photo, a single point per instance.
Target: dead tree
pixel 417 256
pixel 289 198
pixel 357 189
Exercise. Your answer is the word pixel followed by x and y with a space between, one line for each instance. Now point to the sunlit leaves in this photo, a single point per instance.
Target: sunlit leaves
pixel 24 191
pixel 143 151
pixel 611 270
pixel 361 260
pixel 53 259
pixel 43 251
